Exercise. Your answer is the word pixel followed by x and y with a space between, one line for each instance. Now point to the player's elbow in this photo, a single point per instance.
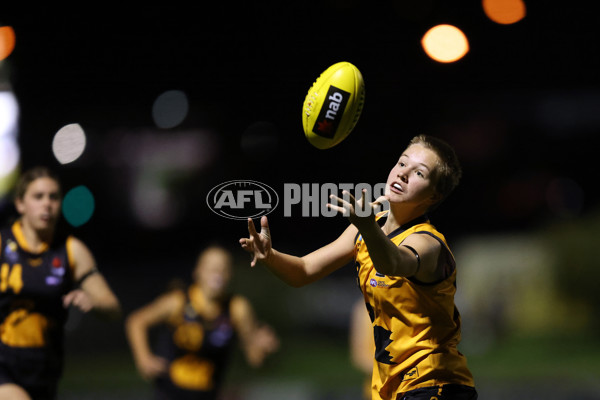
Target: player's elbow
pixel 111 309
pixel 297 284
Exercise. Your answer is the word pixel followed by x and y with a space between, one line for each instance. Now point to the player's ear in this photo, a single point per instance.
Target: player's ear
pixel 19 205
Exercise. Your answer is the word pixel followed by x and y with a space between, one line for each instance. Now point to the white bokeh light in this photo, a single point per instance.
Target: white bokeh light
pixel 9 155
pixel 69 143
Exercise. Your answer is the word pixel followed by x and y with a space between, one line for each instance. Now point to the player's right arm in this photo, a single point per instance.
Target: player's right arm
pixel 293 270
pixel 137 326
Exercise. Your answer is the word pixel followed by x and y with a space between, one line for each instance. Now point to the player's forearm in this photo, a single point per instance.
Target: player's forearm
pixel 290 269
pixel 387 258
pixel 136 332
pixel 111 308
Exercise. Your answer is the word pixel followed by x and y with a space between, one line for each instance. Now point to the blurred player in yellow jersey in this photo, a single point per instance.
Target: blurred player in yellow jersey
pixel 362 346
pixel 406 272
pixel 202 322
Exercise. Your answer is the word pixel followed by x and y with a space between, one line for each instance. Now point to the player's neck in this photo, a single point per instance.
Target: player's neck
pixel 35 239
pixel 399 216
pixel 211 307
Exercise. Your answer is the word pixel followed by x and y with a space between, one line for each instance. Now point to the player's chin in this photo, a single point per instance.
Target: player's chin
pixel 45 225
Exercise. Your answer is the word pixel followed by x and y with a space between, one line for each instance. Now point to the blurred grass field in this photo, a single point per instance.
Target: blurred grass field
pixel 318 367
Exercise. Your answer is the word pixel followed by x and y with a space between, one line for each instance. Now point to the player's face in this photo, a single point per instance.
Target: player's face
pixel 410 180
pixel 40 205
pixel 213 273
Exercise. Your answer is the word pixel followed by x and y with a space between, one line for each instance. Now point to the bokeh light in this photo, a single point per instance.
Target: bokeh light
pixel 10 154
pixel 504 11
pixel 170 109
pixel 9 113
pixel 69 143
pixel 7 41
pixel 78 206
pixel 445 43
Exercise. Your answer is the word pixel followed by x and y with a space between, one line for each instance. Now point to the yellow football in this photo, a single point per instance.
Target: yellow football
pixel 333 105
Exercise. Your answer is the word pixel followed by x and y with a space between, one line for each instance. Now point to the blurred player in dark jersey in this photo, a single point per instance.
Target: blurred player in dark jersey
pixel 202 322
pixel 42 274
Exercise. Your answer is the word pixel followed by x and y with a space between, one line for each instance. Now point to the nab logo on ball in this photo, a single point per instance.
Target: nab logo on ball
pixel 331 112
pixel 242 199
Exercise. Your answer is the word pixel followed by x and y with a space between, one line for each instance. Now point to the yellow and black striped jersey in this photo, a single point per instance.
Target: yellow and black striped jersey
pixel 197 349
pixel 416 326
pixel 32 285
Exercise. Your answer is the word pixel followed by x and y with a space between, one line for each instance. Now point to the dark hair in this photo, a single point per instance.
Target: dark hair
pixel 448 171
pixel 31 175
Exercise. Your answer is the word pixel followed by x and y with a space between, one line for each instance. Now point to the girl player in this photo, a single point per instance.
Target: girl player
pixel 42 274
pixel 406 273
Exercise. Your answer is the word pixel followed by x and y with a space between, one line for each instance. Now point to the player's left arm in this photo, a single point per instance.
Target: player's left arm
pixel 94 293
pixel 257 339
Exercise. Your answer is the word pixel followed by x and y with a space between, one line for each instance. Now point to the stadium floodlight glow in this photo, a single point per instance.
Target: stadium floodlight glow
pixel 9 155
pixel 445 43
pixel 504 12
pixel 9 113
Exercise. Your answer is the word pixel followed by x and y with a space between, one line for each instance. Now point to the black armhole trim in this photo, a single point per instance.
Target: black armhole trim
pixel 87 275
pixel 416 255
pixel 450 260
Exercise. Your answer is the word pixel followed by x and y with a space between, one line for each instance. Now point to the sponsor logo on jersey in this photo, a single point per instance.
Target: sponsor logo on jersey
pixel 331 112
pixel 242 199
pixel 57 267
pixel 35 262
pixel 378 284
pixel 52 280
pixel 11 251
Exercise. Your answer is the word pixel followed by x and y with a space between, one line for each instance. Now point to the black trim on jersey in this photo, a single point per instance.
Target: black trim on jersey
pixel 381 221
pixel 87 275
pixel 449 259
pixel 416 256
pixel 419 220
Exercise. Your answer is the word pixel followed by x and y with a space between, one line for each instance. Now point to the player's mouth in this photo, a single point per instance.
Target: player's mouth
pixel 46 218
pixel 396 188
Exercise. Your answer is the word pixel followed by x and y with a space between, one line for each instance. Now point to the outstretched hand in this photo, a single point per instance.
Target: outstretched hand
pixel 258 244
pixel 359 212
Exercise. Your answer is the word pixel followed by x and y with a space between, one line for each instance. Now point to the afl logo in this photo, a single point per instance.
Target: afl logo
pixel 373 282
pixel 242 199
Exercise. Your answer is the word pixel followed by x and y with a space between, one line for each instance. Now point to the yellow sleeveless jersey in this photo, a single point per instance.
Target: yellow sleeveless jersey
pixel 416 326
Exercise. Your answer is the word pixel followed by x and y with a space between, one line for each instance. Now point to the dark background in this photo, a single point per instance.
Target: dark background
pixel 521 109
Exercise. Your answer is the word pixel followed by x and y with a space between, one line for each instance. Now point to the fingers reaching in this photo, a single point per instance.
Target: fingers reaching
pixel 264 228
pixel 258 244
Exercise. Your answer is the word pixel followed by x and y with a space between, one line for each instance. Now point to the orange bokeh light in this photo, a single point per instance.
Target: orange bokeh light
pixel 445 43
pixel 7 41
pixel 504 11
